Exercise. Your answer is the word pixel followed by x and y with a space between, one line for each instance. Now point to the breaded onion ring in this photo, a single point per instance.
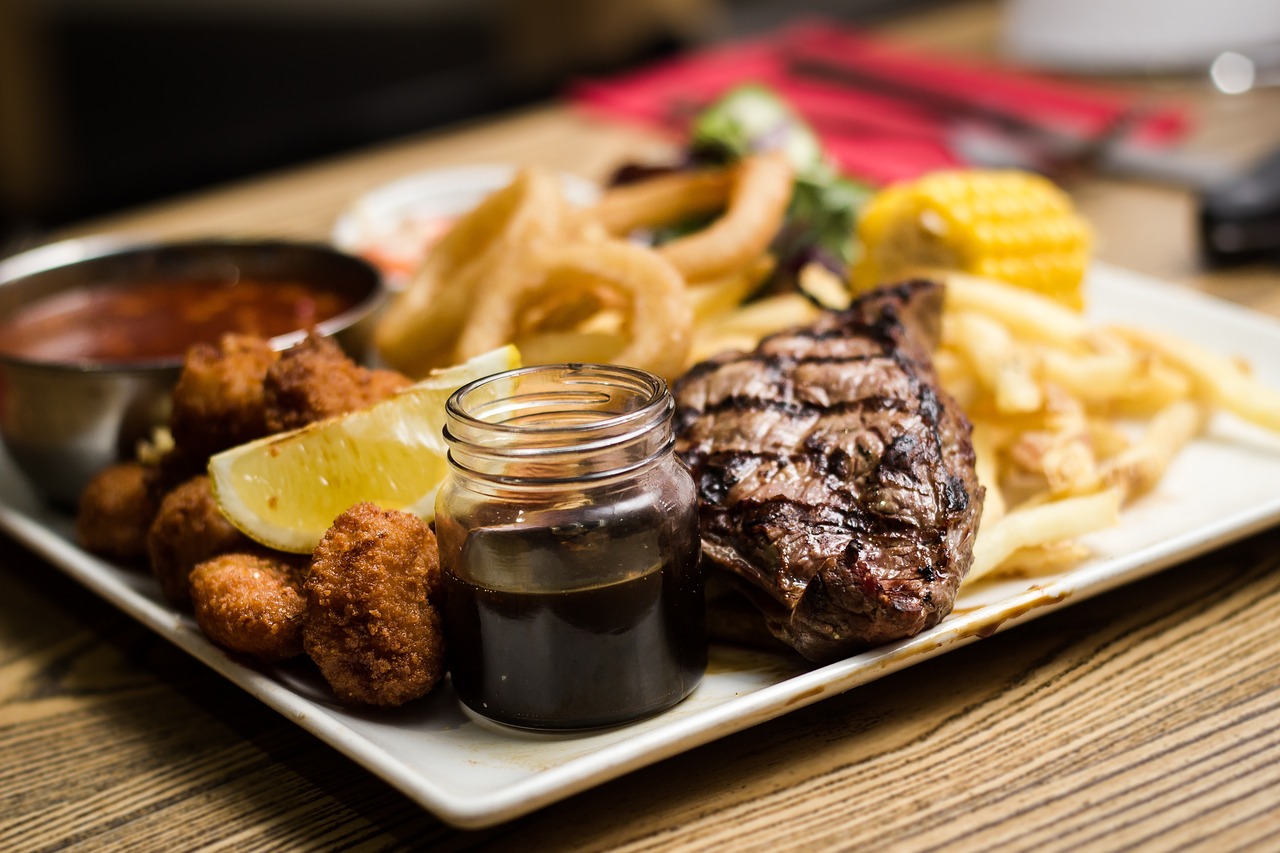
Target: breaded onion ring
pixel 663 200
pixel 420 328
pixel 657 317
pixel 757 203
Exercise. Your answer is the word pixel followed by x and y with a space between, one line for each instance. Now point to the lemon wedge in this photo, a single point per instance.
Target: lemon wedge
pixel 286 489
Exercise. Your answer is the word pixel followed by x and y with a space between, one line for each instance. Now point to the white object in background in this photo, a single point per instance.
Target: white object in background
pixel 1138 35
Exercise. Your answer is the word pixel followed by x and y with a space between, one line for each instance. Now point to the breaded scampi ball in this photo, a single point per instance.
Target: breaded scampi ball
pixel 370 625
pixel 116 510
pixel 315 380
pixel 218 401
pixel 189 529
pixel 250 603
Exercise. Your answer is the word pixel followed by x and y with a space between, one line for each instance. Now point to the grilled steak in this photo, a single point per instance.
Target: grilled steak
pixel 836 479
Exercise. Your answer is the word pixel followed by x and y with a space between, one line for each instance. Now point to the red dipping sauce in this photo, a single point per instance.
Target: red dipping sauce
pixel 160 320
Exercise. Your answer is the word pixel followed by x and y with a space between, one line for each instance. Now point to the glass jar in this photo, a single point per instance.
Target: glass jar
pixel 569 546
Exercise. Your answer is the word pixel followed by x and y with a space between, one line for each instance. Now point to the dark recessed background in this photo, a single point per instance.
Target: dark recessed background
pixel 105 104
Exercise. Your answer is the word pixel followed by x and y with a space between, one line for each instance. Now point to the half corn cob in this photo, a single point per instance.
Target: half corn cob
pixel 1009 225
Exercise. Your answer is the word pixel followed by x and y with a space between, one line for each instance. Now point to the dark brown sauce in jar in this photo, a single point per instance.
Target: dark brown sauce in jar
pixel 569 546
pixel 155 320
pixel 581 657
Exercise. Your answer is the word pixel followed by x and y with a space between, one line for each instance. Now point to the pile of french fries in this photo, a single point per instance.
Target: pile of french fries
pixel 1071 420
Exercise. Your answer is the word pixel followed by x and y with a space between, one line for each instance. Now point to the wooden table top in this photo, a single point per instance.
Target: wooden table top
pixel 1148 716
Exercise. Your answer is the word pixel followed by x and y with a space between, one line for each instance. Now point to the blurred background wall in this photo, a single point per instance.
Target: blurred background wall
pixel 106 104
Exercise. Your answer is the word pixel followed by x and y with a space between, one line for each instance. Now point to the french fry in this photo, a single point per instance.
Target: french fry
pixel 707 344
pixel 716 296
pixel 1218 377
pixel 1001 364
pixel 764 317
pixel 1070 467
pixel 1023 313
pixel 1107 438
pixel 1153 387
pixel 742 328
pixel 986 454
pixel 1138 468
pixel 1091 377
pixel 1062 458
pixel 824 287
pixel 956 377
pixel 1038 525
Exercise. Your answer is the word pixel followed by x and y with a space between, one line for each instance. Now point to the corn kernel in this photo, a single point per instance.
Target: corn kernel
pixel 1011 225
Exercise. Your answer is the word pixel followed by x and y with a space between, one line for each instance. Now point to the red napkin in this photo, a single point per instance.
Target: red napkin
pixel 883 112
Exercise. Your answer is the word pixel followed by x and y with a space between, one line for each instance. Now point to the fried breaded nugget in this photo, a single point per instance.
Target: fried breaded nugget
pixel 116 510
pixel 250 603
pixel 189 529
pixel 218 401
pixel 315 380
pixel 370 625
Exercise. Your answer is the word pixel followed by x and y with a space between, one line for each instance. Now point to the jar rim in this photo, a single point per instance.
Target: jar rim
pixel 596 419
pixel 655 399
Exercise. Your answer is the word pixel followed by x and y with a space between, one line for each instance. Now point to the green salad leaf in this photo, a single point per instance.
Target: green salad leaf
pixel 752 118
pixel 824 205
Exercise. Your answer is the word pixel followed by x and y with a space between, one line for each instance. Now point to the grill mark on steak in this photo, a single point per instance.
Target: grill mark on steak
pixel 835 478
pixel 799 407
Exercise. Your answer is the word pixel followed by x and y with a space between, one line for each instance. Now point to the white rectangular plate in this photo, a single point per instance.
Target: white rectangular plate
pixel 1222 487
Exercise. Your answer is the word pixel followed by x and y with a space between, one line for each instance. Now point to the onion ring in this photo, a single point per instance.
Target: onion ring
pixel 757 203
pixel 420 328
pixel 658 318
pixel 663 200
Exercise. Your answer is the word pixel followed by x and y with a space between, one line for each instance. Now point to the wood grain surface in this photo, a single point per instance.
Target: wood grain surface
pixel 1146 718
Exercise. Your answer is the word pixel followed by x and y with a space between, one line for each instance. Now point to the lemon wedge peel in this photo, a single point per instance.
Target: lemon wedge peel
pixel 284 490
